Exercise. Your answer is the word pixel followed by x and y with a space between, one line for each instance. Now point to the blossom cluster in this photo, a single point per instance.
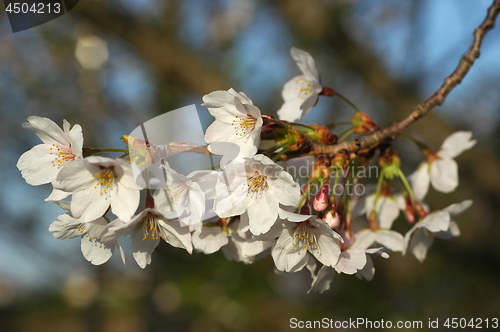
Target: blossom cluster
pixel 250 206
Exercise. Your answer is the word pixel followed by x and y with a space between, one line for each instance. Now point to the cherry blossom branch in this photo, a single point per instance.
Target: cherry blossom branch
pixel 437 99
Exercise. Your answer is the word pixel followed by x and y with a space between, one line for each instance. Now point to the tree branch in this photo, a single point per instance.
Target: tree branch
pixel 424 108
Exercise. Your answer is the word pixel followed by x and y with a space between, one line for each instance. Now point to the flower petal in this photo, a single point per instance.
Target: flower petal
pixel 142 248
pixel 94 250
pixel 89 206
pixel 328 250
pixel 76 140
pixel 48 131
pixel 390 239
pixel 209 239
pixel 65 227
pixel 37 165
pixel 176 235
pixel 364 238
pixel 419 244
pixel 74 176
pixel 306 63
pixel 368 271
pixel 262 214
pixel 420 180
pixel 436 221
pixel 323 279
pixel 124 201
pixel 285 255
pixel 458 208
pixel 456 143
pixel 444 175
pixel 57 195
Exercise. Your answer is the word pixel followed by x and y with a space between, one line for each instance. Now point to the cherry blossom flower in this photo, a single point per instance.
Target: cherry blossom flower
pixel 436 224
pixel 354 260
pixel 392 240
pixel 146 229
pixel 98 183
pixel 43 162
pixel 243 247
pixel 441 169
pixel 300 236
pixel 388 208
pixel 210 237
pixel 95 251
pixel 185 194
pixel 237 120
pixel 301 93
pixel 257 186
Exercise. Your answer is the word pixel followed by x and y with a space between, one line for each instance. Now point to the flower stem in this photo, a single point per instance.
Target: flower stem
pixel 284 149
pixel 338 124
pixel 271 150
pixel 422 146
pixel 333 195
pixel 278 122
pixel 300 125
pixel 346 133
pixel 406 185
pixel 348 102
pixel 303 198
pixel 377 193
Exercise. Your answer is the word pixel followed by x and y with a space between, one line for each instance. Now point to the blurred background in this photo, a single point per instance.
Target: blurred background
pixel 112 65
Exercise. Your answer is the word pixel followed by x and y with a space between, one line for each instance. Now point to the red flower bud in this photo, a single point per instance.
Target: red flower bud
pixel 320 201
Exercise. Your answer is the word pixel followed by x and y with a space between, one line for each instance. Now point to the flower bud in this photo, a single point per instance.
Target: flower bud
pixel 295 139
pixel 410 210
pixel 341 159
pixel 320 134
pixel 321 168
pixel 332 219
pixel 389 158
pixel 320 201
pixel 363 123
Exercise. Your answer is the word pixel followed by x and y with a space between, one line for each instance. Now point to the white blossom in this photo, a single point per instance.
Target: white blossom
pixel 300 236
pixel 441 169
pixel 43 162
pixel 388 208
pixel 145 230
pixel 257 186
pixel 301 93
pixel 185 194
pixel 237 120
pixel 391 240
pixel 436 224
pixel 95 251
pixel 354 260
pixel 98 183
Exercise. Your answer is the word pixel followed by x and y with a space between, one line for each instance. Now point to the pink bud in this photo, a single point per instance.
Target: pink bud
pixel 409 210
pixel 320 202
pixel 332 220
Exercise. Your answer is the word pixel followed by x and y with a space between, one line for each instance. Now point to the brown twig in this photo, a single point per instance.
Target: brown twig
pixel 391 132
